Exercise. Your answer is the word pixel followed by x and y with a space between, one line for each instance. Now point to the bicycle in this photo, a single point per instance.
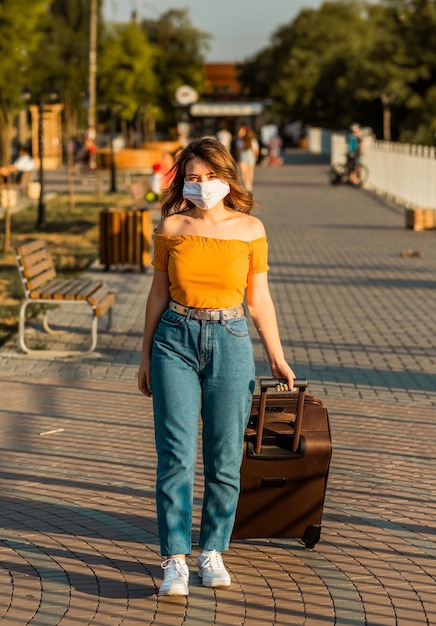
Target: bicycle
pixel 342 172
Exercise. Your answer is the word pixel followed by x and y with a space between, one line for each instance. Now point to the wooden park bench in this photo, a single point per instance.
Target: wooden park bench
pixel 41 286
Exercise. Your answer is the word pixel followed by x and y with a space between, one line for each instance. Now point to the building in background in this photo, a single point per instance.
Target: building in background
pixel 221 81
pixel 222 104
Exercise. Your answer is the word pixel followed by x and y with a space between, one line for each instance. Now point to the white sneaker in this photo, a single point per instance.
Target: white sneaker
pixel 211 569
pixel 176 578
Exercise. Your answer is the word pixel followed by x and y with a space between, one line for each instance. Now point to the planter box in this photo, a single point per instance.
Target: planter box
pixel 162 146
pixel 129 159
pixel 421 219
pixel 137 158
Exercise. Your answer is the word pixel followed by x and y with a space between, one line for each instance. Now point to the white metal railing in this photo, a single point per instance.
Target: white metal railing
pixel 404 172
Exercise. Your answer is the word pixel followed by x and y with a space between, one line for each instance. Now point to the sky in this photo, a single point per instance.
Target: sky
pixel 240 28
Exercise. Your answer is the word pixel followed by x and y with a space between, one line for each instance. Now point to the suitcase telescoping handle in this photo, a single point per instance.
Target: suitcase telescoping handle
pixel 265 384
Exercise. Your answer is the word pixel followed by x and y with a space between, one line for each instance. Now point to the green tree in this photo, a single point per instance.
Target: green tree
pixel 20 36
pixel 387 68
pixel 417 25
pixel 126 77
pixel 62 60
pixel 363 61
pixel 180 56
pixel 309 68
pixel 399 67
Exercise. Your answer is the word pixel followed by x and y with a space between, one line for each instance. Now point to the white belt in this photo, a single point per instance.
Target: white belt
pixel 210 315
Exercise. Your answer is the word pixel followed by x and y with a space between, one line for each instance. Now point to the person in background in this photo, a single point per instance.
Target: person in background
pixel 247 153
pixel 86 153
pixel 160 178
pixel 23 163
pixel 275 150
pixel 197 355
pixel 225 137
pixel 168 159
pixel 354 149
pixel 155 180
pixel 91 150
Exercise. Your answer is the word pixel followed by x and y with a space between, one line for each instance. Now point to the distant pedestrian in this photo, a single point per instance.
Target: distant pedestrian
pixel 247 153
pixel 23 163
pixel 91 147
pixel 86 154
pixel 225 137
pixel 354 149
pixel 155 180
pixel 275 150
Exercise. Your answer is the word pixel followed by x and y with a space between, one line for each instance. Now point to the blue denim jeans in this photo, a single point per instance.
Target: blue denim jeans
pixel 199 368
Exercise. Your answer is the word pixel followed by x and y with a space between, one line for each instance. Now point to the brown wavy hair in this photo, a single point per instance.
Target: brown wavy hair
pixel 221 162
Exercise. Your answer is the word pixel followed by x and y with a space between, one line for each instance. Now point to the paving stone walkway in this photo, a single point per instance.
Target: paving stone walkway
pixel 78 534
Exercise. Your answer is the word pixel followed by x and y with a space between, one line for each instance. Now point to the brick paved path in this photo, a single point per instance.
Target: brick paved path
pixel 78 539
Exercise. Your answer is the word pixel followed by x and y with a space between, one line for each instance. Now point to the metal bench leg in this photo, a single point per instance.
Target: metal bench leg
pixel 94 332
pixel 44 353
pixel 109 319
pixel 47 328
pixel 21 326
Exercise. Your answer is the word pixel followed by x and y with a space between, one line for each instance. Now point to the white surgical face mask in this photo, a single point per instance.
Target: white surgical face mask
pixel 206 195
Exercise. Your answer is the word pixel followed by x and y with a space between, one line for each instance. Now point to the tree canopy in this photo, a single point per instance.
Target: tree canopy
pixel 353 60
pixel 126 77
pixel 61 60
pixel 348 60
pixel 180 56
pixel 20 37
pixel 44 44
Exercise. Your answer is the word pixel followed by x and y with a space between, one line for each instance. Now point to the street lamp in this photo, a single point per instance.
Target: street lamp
pixel 113 168
pixel 53 97
pixel 113 110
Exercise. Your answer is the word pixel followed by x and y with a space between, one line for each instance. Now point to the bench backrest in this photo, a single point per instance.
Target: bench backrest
pixel 35 264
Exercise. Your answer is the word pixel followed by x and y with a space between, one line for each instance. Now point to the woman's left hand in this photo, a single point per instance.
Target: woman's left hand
pixel 285 373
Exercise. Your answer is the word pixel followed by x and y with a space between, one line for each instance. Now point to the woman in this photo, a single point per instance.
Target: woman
pixel 197 355
pixel 247 153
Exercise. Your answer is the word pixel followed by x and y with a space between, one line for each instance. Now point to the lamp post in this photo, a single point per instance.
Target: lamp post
pixel 113 188
pixel 40 220
pixel 112 111
pixel 52 97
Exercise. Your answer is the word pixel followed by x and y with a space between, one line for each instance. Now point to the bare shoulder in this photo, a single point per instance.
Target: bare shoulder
pixel 251 227
pixel 172 225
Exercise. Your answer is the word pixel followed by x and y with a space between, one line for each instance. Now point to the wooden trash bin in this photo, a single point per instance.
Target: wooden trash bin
pixel 125 238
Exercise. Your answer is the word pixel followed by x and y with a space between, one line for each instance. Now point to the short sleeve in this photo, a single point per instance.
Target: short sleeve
pixel 258 256
pixel 160 257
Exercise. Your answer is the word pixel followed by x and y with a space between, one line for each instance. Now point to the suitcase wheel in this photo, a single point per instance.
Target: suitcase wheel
pixel 311 536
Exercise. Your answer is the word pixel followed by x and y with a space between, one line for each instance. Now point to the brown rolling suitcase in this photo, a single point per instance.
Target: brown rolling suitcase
pixel 287 451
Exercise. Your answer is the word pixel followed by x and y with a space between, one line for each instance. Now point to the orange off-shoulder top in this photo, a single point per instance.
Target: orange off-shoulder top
pixel 207 273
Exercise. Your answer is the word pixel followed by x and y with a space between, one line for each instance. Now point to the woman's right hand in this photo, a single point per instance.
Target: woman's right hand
pixel 157 303
pixel 144 378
